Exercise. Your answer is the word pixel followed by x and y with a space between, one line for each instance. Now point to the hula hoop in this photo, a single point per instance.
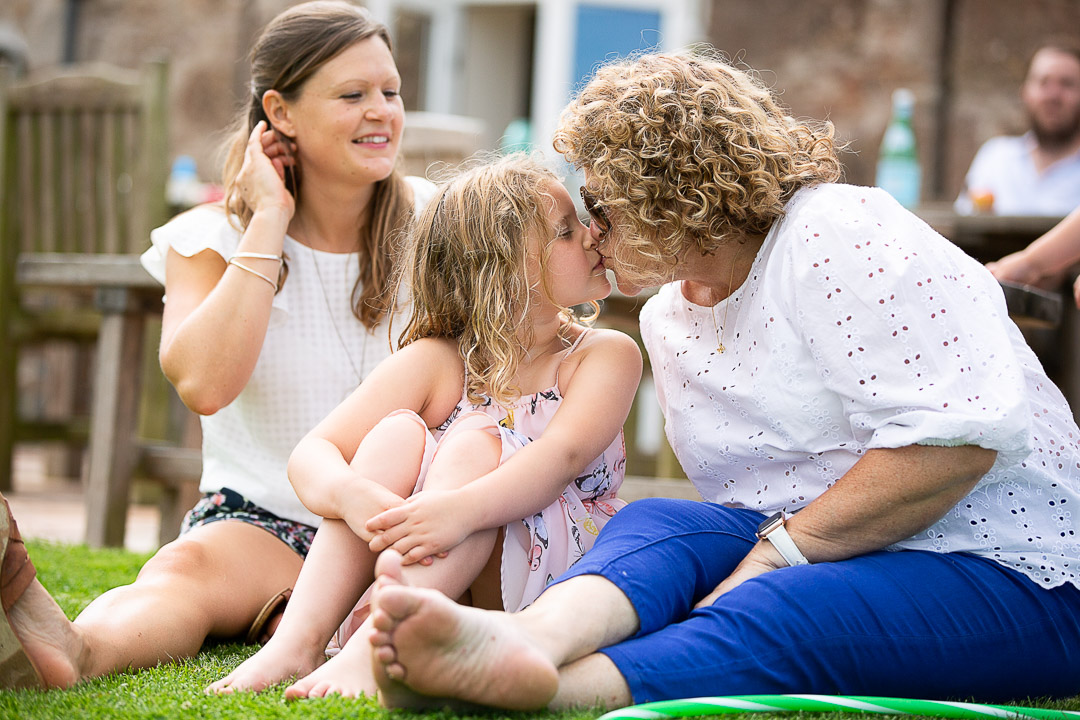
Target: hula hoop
pixel 830 703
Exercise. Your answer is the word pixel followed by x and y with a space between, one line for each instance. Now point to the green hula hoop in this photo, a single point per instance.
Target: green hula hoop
pixel 830 703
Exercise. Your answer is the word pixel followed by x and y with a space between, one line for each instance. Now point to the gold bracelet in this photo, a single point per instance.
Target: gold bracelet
pixel 256 273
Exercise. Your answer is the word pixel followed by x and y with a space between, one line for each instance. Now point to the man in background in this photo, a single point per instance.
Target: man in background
pixel 1037 173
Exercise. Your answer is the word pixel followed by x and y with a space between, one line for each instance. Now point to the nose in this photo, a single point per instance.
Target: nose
pixel 588 241
pixel 596 238
pixel 377 108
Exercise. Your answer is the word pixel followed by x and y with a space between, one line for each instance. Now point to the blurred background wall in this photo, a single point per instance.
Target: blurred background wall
pixel 836 59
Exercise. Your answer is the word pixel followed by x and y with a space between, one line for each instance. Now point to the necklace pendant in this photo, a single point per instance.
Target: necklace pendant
pixel 720 348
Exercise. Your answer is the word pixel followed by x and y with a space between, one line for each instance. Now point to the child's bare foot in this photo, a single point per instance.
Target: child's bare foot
pixel 348 673
pixel 277 661
pixel 427 647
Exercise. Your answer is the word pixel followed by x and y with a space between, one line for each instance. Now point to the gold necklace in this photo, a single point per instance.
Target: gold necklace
pixel 712 308
pixel 359 372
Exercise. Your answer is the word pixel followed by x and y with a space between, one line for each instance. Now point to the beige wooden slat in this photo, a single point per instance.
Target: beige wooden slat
pixel 66 202
pixel 83 156
pixel 107 178
pixel 153 151
pixel 65 148
pixel 48 192
pixel 24 227
pixel 125 190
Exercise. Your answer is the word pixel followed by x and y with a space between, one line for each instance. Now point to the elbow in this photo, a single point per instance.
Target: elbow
pixel 982 461
pixel 201 393
pixel 200 403
pixel 971 465
pixel 293 470
pixel 201 397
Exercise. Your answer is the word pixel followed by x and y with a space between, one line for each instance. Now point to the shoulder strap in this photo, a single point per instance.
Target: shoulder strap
pixel 570 351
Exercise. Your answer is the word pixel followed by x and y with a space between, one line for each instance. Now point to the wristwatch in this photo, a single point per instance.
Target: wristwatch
pixel 772 529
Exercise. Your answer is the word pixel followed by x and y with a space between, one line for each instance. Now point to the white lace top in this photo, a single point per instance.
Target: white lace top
pixel 314 350
pixel 859 327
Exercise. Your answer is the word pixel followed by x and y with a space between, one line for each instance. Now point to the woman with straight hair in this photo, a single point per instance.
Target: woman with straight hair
pixel 276 308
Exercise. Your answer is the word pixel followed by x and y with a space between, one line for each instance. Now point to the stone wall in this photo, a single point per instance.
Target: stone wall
pixel 835 59
pixel 841 60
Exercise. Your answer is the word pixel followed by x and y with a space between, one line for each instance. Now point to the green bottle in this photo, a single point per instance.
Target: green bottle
pixel 898 170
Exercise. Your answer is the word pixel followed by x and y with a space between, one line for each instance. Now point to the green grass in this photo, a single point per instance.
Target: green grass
pixel 76 575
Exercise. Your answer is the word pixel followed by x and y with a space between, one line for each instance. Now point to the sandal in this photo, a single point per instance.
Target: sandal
pixel 258 633
pixel 16 575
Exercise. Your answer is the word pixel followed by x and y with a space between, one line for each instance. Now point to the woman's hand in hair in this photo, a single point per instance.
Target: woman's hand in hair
pixel 261 179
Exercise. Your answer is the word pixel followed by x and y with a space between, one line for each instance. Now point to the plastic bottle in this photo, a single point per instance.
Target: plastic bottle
pixel 183 189
pixel 898 170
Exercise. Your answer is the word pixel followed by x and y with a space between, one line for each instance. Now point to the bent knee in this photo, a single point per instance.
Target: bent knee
pixel 403 430
pixel 464 456
pixel 182 558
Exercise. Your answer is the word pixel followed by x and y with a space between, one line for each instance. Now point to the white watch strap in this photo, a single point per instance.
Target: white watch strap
pixel 787 548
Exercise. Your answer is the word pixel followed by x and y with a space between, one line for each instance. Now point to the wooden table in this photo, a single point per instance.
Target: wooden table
pixel 985 237
pixel 126 296
pixel 990 237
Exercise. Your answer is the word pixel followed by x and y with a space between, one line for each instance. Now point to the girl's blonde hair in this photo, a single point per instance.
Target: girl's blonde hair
pixel 466 263
pixel 292 48
pixel 688 151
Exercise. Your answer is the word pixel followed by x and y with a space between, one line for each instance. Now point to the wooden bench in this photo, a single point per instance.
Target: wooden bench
pixel 126 297
pixel 83 164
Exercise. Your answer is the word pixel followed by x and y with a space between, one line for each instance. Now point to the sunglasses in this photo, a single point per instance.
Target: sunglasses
pixel 596 211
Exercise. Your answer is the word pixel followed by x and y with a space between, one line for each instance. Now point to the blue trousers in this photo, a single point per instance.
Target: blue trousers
pixel 904 624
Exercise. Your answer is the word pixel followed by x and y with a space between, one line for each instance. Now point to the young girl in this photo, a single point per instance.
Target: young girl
pixel 493 364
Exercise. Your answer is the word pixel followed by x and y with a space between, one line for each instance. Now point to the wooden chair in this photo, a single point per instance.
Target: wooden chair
pixel 83 164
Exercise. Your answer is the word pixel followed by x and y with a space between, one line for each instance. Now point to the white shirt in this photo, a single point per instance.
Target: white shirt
pixel 1005 167
pixel 315 353
pixel 859 327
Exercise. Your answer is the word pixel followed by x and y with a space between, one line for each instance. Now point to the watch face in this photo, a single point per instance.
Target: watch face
pixel 770 523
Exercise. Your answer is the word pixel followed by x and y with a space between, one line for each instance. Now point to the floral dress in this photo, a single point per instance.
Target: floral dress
pixel 538 548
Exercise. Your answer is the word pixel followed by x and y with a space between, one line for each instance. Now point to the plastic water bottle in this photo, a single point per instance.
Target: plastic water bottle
pixel 183 189
pixel 898 170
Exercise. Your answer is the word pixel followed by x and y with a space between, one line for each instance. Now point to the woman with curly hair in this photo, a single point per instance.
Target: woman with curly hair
pixel 890 476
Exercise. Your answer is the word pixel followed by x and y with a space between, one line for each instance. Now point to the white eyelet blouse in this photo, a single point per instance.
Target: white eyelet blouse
pixel 859 327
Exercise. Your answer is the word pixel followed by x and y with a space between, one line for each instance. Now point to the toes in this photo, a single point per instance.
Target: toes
pixel 395 671
pixel 385 654
pixel 220 687
pixel 388 567
pixel 383 624
pixel 397 603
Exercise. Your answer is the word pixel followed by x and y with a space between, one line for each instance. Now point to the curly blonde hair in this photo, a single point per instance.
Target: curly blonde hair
pixel 688 151
pixel 470 262
pixel 290 50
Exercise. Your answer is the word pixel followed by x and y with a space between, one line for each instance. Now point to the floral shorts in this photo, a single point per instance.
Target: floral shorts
pixel 230 505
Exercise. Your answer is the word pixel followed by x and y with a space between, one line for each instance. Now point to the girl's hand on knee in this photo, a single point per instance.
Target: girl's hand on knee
pixel 373 501
pixel 426 524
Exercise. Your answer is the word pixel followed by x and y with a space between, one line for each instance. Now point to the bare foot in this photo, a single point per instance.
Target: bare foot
pixel 277 661
pixel 51 642
pixel 427 647
pixel 347 674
